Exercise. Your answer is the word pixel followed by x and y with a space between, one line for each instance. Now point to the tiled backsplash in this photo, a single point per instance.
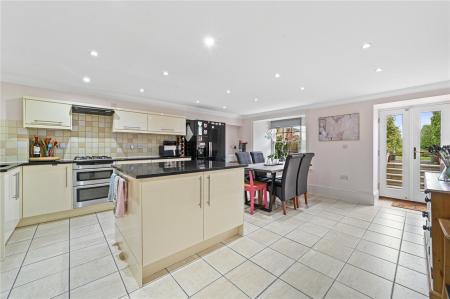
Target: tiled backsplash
pixel 90 135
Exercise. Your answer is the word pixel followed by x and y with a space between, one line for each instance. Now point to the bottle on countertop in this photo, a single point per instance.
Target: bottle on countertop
pixel 36 147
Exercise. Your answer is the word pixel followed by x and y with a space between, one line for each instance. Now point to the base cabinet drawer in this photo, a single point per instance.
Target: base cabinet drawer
pixel 46 189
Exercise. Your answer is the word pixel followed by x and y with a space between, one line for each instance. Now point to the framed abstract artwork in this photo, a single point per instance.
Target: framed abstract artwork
pixel 339 127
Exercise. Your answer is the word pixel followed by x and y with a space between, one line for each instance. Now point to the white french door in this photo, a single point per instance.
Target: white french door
pixel 405 135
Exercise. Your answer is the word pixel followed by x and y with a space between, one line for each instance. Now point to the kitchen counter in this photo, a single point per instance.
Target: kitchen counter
pixel 4 167
pixel 175 210
pixel 433 184
pixel 149 170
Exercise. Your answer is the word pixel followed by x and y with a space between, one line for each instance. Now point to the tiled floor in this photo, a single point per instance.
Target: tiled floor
pixel 331 249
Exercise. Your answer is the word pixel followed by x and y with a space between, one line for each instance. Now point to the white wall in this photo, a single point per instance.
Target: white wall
pixel 260 143
pixel 231 142
pixel 337 159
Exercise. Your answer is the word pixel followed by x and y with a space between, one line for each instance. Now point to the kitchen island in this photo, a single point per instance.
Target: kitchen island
pixel 177 209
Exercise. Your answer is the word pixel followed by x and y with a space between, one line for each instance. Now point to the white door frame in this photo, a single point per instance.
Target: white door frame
pixel 385 190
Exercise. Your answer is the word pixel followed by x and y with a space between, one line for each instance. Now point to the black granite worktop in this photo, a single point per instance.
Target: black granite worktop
pixel 149 170
pixel 4 167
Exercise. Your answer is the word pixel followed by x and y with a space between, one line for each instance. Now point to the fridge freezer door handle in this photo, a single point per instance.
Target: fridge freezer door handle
pixel 210 149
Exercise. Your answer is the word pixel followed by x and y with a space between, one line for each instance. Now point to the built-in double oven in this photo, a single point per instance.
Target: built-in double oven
pixel 91 182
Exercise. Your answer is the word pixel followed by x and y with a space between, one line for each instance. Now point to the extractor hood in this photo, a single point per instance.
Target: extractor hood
pixel 92 110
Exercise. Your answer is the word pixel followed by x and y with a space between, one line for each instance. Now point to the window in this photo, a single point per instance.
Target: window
pixel 291 136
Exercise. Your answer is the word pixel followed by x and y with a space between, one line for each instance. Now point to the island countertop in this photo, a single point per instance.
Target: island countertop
pixel 149 170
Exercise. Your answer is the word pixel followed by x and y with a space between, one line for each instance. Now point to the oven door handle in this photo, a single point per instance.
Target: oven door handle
pixel 92 169
pixel 91 186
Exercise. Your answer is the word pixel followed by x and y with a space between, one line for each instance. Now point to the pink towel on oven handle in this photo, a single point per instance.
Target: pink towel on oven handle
pixel 122 198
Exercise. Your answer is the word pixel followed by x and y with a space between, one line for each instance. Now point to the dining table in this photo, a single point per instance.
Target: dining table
pixel 273 170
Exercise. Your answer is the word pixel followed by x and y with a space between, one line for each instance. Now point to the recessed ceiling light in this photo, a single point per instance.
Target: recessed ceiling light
pixel 166 73
pixel 256 100
pixel 224 107
pixel 141 90
pixel 302 88
pixel 86 79
pixel 94 53
pixel 209 41
pixel 198 102
pixel 378 69
pixel 366 46
pixel 228 91
pixel 277 75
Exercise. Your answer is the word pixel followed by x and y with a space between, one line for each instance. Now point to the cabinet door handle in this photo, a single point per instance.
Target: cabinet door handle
pixel 201 192
pixel 47 121
pixel 17 175
pixel 66 177
pixel 128 127
pixel 167 129
pixel 209 190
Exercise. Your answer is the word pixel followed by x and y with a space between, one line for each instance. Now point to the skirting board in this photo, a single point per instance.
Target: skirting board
pixel 351 196
pixel 66 214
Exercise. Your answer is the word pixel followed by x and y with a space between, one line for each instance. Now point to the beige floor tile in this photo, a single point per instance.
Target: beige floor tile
pixel 264 236
pixel 365 282
pixel 373 265
pixel 17 248
pixel 290 248
pixel 162 288
pixel 355 222
pixel 323 222
pixel 413 238
pixel 302 237
pixel 413 248
pixel 274 262
pixel 49 239
pixel 110 286
pixel 323 263
pixel 53 227
pixel 333 214
pixel 378 250
pixel 42 253
pixel 334 248
pixel 279 228
pixel 349 229
pixel 62 296
pixel 387 222
pixel 246 246
pixel 195 276
pixel 413 262
pixel 77 222
pixel 11 262
pixel 7 279
pixel 280 289
pixel 400 292
pixel 220 288
pixel 414 229
pixel 314 229
pixel 87 254
pixel 382 239
pixel 340 291
pixel 413 280
pixel 43 268
pixel 47 287
pixel 223 259
pixel 128 279
pixel 248 228
pixel 250 278
pixel 342 238
pixel 88 272
pixel 386 230
pixel 86 241
pixel 22 234
pixel 85 230
pixel 307 280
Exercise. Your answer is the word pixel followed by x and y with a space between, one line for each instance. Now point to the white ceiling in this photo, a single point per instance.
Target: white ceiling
pixel 312 44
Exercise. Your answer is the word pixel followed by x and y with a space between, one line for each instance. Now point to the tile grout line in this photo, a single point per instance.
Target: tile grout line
pixel 21 264
pixel 398 260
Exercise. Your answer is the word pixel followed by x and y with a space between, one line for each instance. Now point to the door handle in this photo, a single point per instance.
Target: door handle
pixel 47 121
pixel 66 177
pixel 415 153
pixel 128 127
pixel 17 175
pixel 209 190
pixel 201 192
pixel 210 149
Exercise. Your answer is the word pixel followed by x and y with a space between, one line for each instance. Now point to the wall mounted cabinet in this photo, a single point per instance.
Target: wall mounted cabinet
pixel 166 124
pixel 129 121
pixel 41 113
pixel 48 189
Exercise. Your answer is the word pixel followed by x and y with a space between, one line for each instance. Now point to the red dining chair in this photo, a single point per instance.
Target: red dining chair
pixel 252 187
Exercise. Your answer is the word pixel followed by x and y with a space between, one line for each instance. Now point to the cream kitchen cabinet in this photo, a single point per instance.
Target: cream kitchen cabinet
pixel 41 113
pixel 223 192
pixel 11 204
pixel 166 124
pixel 172 220
pixel 47 189
pixel 129 121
